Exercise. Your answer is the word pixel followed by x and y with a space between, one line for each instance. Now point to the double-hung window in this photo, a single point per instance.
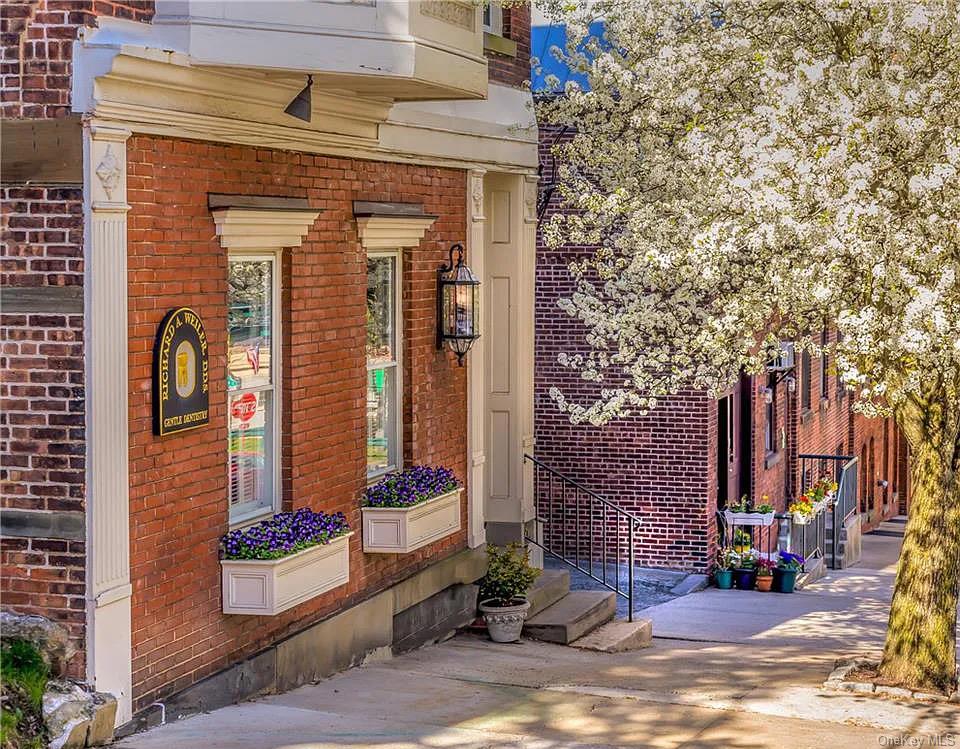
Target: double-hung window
pixel 770 417
pixel 253 374
pixel 384 389
pixel 824 365
pixel 493 18
pixel 806 370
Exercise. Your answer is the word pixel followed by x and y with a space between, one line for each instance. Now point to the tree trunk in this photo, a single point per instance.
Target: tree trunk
pixel 920 651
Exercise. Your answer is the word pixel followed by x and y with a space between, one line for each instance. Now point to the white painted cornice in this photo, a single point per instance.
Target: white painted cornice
pixel 392 232
pixel 121 81
pixel 255 229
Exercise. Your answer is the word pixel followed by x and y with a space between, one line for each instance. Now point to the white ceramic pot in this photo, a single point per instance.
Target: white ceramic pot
pixel 505 623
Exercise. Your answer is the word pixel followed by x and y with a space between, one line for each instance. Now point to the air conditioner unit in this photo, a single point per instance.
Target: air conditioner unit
pixel 786 360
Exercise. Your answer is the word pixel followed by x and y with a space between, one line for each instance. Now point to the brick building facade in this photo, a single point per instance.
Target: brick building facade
pixel 676 466
pixel 114 531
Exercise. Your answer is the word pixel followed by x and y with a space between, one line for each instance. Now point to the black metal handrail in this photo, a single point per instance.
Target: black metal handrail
pixel 552 531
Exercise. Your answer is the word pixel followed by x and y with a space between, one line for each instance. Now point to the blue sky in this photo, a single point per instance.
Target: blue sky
pixel 543 36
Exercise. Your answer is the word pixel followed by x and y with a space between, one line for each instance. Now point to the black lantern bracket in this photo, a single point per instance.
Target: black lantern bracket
pixel 457 304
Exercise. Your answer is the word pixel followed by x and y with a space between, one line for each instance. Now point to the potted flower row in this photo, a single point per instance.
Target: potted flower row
pixel 813 501
pixel 748 570
pixel 285 560
pixel 745 513
pixel 409 509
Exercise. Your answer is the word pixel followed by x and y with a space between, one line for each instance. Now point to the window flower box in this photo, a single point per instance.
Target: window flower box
pixel 409 510
pixel 763 519
pixel 284 561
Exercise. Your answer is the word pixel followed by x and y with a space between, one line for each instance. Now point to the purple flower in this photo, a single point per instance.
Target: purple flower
pixel 284 534
pixel 411 487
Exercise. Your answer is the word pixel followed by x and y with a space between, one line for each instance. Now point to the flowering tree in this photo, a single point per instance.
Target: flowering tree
pixel 749 172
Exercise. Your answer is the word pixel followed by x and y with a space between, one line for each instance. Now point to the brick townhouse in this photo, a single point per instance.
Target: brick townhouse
pixel 693 454
pixel 151 173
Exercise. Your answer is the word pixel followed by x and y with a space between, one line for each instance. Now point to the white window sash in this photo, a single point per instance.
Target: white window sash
pixel 394 362
pixel 494 23
pixel 239 515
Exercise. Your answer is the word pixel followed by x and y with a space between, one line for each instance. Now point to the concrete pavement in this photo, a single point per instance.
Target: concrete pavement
pixel 748 678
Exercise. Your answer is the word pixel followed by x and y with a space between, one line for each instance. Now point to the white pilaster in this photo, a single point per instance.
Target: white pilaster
pixel 526 332
pixel 107 466
pixel 476 381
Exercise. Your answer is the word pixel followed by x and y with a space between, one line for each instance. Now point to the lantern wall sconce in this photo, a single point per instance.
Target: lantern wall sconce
pixel 458 305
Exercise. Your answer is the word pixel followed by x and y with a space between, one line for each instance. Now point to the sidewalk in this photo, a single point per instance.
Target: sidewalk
pixel 755 684
pixel 841 614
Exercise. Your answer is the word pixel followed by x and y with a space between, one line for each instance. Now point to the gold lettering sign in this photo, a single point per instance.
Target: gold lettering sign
pixel 181 371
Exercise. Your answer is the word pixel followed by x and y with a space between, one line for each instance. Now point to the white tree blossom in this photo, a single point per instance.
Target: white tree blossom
pixel 751 171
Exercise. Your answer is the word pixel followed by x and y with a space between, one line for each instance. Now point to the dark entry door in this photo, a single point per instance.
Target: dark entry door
pixel 733 445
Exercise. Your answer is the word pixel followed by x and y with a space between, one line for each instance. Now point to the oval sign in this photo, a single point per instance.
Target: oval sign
pixel 181 372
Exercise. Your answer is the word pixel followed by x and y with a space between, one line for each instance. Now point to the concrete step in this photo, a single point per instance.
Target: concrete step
pixel 550 587
pixel 573 616
pixel 618 636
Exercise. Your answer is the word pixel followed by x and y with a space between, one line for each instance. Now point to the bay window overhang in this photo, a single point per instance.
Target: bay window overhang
pixel 407 51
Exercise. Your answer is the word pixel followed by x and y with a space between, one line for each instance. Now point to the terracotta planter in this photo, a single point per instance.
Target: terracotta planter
pixel 264 587
pixel 399 530
pixel 764 583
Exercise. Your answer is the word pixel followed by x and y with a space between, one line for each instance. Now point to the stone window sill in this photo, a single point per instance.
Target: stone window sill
pixel 806 416
pixel 499 44
pixel 772 459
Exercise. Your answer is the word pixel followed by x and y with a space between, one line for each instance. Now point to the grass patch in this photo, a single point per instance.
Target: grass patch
pixel 23 680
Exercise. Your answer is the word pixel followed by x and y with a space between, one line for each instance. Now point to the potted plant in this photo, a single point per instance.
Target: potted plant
pixel 723 572
pixel 742 542
pixel 801 510
pixel 744 513
pixel 287 559
pixel 503 601
pixel 765 569
pixel 407 510
pixel 785 573
pixel 745 570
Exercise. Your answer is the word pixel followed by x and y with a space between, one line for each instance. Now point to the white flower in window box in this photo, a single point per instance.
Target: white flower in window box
pixel 284 561
pixel 408 510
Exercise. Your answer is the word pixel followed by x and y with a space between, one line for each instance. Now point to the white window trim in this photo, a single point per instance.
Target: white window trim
pixel 397 255
pixel 276 364
pixel 495 26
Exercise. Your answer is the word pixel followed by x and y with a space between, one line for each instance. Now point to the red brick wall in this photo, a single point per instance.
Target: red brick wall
pixel 46 577
pixel 830 427
pixel 37 50
pixel 508 69
pixel 41 405
pixel 178 495
pixel 41 395
pixel 661 466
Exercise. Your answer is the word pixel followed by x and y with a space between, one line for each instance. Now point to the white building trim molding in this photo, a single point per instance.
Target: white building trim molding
pixel 130 75
pixel 476 383
pixel 253 229
pixel 109 656
pixel 392 232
